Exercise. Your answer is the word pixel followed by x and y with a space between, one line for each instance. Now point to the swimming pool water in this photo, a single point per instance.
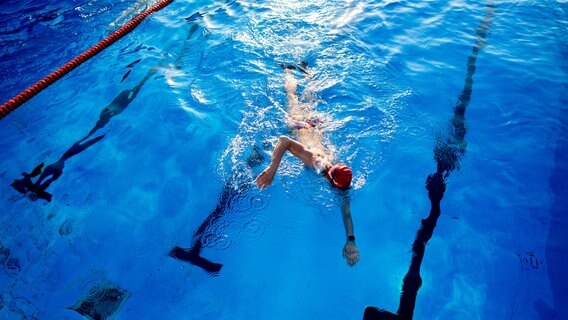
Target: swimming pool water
pixel 208 93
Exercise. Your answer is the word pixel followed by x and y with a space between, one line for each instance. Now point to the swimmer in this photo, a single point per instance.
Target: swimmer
pixel 305 124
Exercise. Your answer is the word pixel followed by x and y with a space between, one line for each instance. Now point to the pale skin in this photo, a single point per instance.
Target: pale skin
pixel 307 146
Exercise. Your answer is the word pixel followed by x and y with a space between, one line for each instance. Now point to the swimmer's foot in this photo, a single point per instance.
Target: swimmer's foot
pixel 303 67
pixel 195 259
pixel 286 66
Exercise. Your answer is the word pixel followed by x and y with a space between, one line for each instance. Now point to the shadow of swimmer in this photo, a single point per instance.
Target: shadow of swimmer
pixel 38 189
pixel 52 172
pixel 234 190
pixel 447 153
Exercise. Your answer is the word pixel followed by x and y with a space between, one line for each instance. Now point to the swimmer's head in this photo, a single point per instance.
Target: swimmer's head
pixel 340 176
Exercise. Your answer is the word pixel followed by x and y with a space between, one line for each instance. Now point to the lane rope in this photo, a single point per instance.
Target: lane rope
pixel 36 88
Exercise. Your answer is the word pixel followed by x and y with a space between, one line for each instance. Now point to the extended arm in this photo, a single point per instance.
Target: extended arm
pixel 350 251
pixel 297 149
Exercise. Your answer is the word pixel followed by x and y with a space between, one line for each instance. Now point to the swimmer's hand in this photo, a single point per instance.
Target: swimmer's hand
pixel 351 253
pixel 265 178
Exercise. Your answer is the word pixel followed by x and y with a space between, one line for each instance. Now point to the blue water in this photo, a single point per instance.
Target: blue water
pixel 388 74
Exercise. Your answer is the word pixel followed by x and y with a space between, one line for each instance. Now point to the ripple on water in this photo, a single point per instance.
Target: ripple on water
pixel 66 227
pixel 174 196
pixel 257 202
pixel 9 263
pixel 103 301
pixel 91 282
pixel 92 203
pixel 254 228
pixel 218 240
pixel 238 218
pixel 305 186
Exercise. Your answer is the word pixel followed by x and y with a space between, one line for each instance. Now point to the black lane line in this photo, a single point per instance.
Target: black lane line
pixel 37 189
pixel 233 192
pixel 447 155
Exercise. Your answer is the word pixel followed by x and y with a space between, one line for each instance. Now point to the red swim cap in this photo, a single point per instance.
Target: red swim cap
pixel 340 176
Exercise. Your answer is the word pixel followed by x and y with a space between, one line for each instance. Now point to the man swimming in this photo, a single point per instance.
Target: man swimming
pixel 305 124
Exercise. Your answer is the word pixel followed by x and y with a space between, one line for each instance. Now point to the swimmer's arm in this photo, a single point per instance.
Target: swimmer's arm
pixel 350 251
pixel 297 149
pixel 347 221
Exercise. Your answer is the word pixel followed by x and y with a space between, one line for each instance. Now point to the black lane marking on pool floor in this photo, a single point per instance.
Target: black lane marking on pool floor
pixel 447 155
pixel 233 192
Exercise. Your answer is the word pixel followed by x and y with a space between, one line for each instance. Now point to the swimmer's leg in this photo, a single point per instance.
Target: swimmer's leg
pixel 291 86
pixel 309 93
